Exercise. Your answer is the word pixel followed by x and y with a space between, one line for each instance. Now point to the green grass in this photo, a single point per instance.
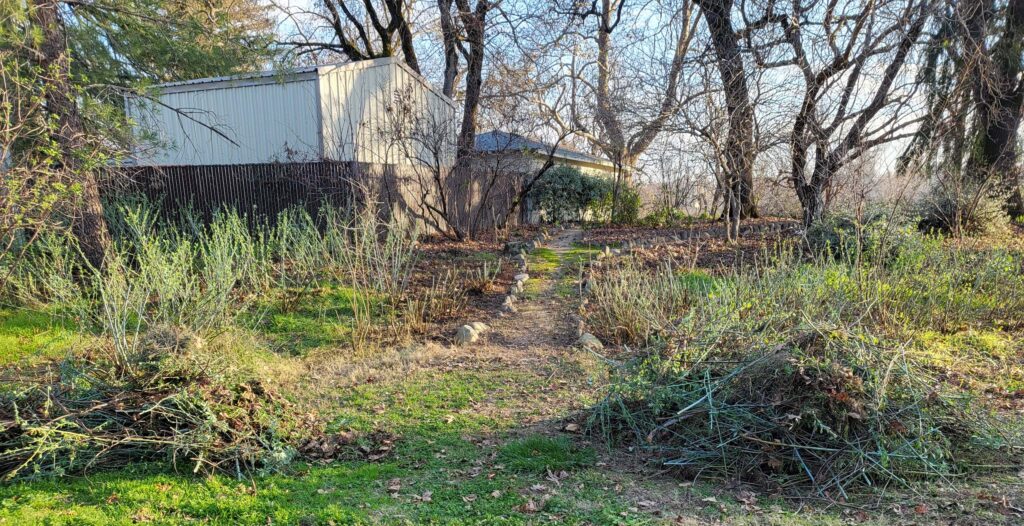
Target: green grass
pixel 581 252
pixel 321 318
pixel 428 403
pixel 33 336
pixel 448 449
pixel 345 493
pixel 538 454
pixel 544 260
pixel 979 360
pixel 698 280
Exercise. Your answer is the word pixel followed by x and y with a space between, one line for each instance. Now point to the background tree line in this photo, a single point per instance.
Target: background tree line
pixel 751 94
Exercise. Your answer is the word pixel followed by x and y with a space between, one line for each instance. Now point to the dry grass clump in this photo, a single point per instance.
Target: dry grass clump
pixel 829 411
pixel 803 372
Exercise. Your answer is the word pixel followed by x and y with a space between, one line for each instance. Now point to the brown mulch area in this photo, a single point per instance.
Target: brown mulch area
pixel 439 255
pixel 701 244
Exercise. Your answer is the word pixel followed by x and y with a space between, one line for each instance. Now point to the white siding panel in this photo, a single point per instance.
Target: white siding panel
pixel 269 122
pixel 341 113
pixel 359 104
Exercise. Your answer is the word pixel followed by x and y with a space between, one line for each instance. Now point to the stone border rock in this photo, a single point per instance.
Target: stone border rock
pixel 584 339
pixel 521 249
pixel 470 333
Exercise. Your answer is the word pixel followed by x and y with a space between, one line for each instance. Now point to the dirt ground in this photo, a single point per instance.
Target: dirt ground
pixel 540 338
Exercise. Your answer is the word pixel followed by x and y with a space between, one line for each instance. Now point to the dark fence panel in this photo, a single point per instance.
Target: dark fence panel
pixel 260 191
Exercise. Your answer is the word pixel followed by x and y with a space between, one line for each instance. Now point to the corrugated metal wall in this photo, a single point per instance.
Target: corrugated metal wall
pixel 376 111
pixel 271 120
pixel 382 112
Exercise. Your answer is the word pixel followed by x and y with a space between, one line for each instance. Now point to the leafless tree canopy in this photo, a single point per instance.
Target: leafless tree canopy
pixel 355 29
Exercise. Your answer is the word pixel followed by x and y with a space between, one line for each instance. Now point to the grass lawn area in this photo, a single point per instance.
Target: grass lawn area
pixel 319 318
pixel 452 464
pixel 31 337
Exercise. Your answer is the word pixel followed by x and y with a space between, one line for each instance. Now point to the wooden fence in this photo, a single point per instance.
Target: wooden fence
pixel 260 191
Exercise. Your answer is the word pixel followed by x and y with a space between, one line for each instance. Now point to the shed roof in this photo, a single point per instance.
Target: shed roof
pixel 500 141
pixel 291 74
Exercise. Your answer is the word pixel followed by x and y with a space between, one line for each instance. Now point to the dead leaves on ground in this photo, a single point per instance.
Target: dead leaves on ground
pixel 347 445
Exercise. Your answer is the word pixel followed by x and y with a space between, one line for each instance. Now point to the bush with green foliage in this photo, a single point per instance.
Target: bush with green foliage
pixel 565 194
pixel 626 211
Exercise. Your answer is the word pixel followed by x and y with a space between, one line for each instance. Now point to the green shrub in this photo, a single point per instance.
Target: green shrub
pixel 628 211
pixel 625 212
pixel 564 194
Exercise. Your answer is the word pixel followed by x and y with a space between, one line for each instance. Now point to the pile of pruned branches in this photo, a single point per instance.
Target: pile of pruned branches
pixel 164 403
pixel 830 412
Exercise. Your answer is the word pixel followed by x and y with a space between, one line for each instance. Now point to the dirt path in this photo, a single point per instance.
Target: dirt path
pixel 542 325
pixel 547 377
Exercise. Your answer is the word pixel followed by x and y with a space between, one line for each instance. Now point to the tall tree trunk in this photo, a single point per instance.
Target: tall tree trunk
pixel 740 150
pixel 474 23
pixel 999 97
pixel 90 226
pixel 450 39
pixel 812 202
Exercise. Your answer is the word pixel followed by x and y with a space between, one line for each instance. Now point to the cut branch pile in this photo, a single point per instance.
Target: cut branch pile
pixel 826 411
pixel 155 407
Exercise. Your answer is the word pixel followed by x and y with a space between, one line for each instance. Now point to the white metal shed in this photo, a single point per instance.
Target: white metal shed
pixel 320 113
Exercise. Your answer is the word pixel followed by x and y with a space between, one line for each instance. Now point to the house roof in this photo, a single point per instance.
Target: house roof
pixel 501 141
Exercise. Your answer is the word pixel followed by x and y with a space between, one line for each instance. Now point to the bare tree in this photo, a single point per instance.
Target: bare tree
pixel 468 27
pixel 851 59
pixel 621 145
pixel 616 97
pixel 740 149
pixel 420 145
pixel 356 29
